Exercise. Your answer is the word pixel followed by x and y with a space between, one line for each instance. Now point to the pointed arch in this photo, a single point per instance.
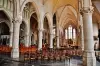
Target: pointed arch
pixel 70 7
pixel 33 3
pixel 49 17
pixel 7 13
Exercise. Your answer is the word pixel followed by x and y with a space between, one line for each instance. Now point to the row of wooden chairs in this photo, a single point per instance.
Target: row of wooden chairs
pixel 22 49
pixel 50 55
pixel 43 57
pixel 4 49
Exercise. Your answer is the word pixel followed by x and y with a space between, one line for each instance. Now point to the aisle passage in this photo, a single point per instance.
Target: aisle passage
pixel 10 62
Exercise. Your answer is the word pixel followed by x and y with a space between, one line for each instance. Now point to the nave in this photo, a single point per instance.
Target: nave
pixel 50 30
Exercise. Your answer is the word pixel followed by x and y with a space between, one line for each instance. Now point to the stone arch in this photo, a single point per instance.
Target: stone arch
pixel 70 6
pixel 64 20
pixel 47 15
pixel 34 4
pixel 48 28
pixel 69 21
pixel 33 29
pixel 73 10
pixel 26 25
pixel 5 21
pixel 7 18
pixel 71 13
pixel 7 13
pixel 5 27
pixel 22 33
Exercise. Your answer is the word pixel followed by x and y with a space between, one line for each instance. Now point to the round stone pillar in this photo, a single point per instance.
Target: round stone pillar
pixel 30 38
pixel 27 41
pixel 11 38
pixel 58 42
pixel 40 31
pixel 82 34
pixel 89 53
pixel 11 35
pixel 57 37
pixel 51 40
pixel 40 36
pixel 15 45
pixel 57 32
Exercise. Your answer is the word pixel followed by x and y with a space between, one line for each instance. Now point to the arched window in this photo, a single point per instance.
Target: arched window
pixel 70 32
pixel 66 34
pixel 74 34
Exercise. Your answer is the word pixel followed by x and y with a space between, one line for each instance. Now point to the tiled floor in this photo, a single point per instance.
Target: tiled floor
pixel 43 63
pixel 4 61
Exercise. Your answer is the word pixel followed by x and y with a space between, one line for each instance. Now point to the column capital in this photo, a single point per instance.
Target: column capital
pixel 40 29
pixel 51 32
pixel 86 10
pixel 16 21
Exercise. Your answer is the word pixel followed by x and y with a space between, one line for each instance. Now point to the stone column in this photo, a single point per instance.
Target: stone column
pixel 11 38
pixel 89 53
pixel 51 39
pixel 82 34
pixel 57 31
pixel 11 35
pixel 15 45
pixel 30 38
pixel 58 46
pixel 27 40
pixel 40 36
pixel 57 35
pixel 40 32
pixel 27 34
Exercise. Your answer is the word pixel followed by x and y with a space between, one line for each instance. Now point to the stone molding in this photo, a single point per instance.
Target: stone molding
pixel 40 29
pixel 86 10
pixel 16 21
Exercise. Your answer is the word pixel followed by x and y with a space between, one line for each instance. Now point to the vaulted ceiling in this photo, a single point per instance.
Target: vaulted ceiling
pixel 66 11
pixel 96 13
pixel 56 4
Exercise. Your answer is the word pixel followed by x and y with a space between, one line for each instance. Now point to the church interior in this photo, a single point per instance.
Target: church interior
pixel 50 32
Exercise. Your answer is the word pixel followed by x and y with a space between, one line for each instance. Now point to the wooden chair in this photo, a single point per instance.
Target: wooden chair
pixel 32 56
pixel 26 56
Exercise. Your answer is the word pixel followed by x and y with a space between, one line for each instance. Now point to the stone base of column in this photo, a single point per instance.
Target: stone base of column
pixel 89 58
pixel 51 49
pixel 15 53
pixel 58 47
pixel 10 45
pixel 51 46
pixel 39 49
pixel 82 48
